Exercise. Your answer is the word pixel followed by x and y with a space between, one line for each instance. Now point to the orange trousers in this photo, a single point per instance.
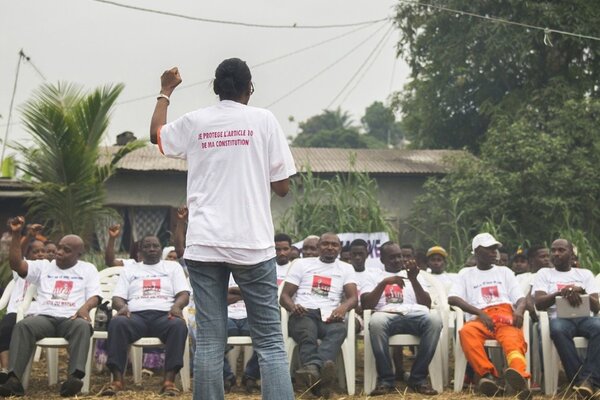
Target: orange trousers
pixel 474 333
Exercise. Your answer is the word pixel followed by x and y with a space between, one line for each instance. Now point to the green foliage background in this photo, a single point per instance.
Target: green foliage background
pixel 344 203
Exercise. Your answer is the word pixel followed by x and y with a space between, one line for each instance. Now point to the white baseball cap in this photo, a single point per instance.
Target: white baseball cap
pixel 484 240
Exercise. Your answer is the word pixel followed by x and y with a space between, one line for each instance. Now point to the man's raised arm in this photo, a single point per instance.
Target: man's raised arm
pixel 15 255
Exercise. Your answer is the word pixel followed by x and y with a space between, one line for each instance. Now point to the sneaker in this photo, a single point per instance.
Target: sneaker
pixel 71 387
pixel 309 375
pixel 3 377
pixel 250 385
pixel 488 385
pixel 423 388
pixel 228 383
pixel 518 383
pixel 584 390
pixel 12 387
pixel 328 373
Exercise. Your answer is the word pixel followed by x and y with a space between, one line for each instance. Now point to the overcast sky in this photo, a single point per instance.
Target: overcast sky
pixel 94 43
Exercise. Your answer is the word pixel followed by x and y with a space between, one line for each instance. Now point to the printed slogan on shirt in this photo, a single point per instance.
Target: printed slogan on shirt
pixel 235 137
pixel 393 294
pixel 490 293
pixel 321 285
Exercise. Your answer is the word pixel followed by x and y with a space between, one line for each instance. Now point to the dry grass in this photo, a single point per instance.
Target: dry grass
pixel 39 389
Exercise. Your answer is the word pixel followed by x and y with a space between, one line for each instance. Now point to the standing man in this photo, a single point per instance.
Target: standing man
pixel 236 155
pixel 495 304
pixel 571 283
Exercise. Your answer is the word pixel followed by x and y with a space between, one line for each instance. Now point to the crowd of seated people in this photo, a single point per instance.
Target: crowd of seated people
pixel 319 284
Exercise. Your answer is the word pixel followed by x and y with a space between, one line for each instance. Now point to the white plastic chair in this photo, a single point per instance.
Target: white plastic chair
pixel 52 344
pixel 550 355
pixel 137 353
pixel 370 371
pixel 108 280
pixel 239 343
pixel 460 361
pixel 6 295
pixel 348 350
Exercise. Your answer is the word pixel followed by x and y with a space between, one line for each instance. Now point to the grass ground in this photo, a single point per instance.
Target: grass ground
pixel 151 385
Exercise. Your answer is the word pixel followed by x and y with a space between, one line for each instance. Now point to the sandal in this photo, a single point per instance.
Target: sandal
pixel 110 389
pixel 169 390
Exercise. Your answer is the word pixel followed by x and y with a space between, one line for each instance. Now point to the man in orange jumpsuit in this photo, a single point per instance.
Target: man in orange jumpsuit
pixel 488 292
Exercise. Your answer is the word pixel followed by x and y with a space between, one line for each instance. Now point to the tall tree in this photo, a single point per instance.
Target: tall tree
pixel 380 122
pixel 67 125
pixel 331 128
pixel 466 70
pixel 535 180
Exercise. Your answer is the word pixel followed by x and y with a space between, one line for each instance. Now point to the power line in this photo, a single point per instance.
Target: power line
pixel 361 66
pixel 547 31
pixel 246 24
pixel 367 69
pixel 292 53
pixel 12 100
pixel 315 76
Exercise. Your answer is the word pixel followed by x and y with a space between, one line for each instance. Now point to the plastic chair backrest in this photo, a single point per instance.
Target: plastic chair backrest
pixel 4 300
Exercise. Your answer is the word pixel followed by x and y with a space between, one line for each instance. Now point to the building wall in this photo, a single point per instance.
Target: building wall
pixel 129 188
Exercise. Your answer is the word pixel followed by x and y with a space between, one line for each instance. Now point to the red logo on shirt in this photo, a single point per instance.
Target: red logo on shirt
pixel 62 290
pixel 321 285
pixel 490 293
pixel 561 286
pixel 393 294
pixel 151 287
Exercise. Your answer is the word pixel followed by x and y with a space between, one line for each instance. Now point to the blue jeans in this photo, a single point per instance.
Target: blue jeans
pixel 562 331
pixel 239 327
pixel 383 325
pixel 307 329
pixel 258 284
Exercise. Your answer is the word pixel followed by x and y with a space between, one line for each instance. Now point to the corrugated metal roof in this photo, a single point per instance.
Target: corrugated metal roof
pixel 320 160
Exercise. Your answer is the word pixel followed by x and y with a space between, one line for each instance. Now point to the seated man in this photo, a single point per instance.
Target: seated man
pixel 566 281
pixel 310 247
pixel 401 306
pixel 488 292
pixel 436 262
pixel 67 289
pixel 283 247
pixel 318 292
pixel 149 298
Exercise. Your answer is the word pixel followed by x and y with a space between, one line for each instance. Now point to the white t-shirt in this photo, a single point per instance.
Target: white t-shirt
pixel 550 280
pixel 320 285
pixel 151 287
pixel 18 294
pixel 363 278
pixel 395 299
pixel 61 292
pixel 491 287
pixel 236 310
pixel 525 280
pixel 282 271
pixel 446 279
pixel 234 152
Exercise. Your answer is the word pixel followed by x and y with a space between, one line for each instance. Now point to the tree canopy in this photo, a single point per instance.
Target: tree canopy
pixel 466 71
pixel 67 125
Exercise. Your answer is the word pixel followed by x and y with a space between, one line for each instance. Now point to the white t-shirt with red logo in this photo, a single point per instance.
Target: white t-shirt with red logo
pixel 485 288
pixel 151 287
pixel 61 292
pixel 320 285
pixel 282 271
pixel 550 280
pixel 234 152
pixel 395 299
